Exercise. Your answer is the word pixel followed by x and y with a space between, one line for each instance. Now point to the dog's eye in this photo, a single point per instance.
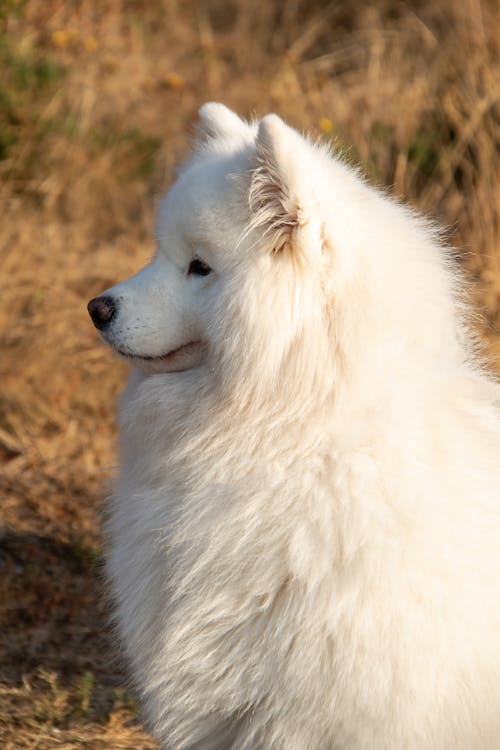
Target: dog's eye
pixel 198 267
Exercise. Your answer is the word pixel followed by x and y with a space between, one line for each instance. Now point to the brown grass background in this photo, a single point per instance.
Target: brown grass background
pixel 97 104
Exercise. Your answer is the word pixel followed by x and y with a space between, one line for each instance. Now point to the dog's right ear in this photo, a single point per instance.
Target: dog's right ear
pixel 283 189
pixel 218 121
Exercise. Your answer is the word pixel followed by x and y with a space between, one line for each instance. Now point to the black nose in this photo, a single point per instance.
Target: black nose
pixel 101 310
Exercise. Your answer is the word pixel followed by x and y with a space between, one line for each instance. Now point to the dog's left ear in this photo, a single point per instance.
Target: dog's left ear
pixel 282 190
pixel 218 121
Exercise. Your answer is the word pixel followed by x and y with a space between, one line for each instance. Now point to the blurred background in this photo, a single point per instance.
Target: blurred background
pixel 98 100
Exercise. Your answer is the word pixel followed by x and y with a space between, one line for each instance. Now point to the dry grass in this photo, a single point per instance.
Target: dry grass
pixel 96 101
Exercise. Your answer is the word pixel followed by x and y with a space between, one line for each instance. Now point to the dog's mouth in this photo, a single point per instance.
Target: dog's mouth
pixel 181 358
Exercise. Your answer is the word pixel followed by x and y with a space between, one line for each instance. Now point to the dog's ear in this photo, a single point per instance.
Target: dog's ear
pixel 282 194
pixel 218 121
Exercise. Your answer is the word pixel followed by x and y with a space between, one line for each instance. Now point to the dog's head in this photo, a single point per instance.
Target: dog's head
pixel 273 257
pixel 231 234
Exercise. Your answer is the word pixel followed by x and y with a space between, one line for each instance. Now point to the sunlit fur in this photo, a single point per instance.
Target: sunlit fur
pixel 304 539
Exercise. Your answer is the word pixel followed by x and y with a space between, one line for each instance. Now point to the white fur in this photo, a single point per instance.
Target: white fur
pixel 304 540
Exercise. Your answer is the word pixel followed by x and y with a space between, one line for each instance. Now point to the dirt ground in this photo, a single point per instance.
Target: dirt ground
pixel 98 102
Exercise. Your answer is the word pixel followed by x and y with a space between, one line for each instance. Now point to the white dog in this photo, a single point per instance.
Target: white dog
pixel 305 535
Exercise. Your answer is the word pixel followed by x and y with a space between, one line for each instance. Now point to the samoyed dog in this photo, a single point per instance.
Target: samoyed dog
pixel 304 539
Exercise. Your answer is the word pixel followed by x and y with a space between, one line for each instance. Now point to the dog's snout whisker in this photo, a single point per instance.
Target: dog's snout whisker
pixel 102 311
